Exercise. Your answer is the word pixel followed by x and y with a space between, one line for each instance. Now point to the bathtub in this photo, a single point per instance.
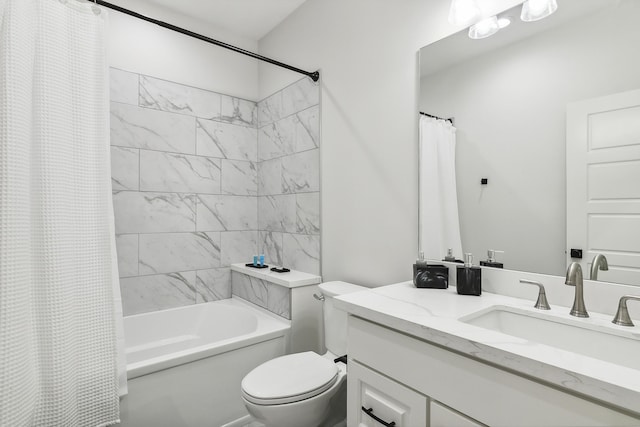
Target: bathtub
pixel 185 365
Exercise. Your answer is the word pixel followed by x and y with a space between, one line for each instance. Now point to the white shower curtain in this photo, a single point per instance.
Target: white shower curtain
pixel 58 352
pixel 439 222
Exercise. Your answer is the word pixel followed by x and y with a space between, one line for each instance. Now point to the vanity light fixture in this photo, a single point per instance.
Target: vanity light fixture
pixel 534 10
pixel 504 22
pixel 464 12
pixel 485 28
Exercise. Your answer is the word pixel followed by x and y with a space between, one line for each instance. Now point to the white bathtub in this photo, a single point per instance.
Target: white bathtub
pixel 184 365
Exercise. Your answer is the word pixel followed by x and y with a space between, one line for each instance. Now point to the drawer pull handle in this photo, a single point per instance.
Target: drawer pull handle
pixel 380 420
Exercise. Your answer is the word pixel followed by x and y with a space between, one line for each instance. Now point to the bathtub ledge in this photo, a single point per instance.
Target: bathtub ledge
pixel 292 279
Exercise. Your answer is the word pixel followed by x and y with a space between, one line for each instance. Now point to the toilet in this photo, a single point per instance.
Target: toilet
pixel 296 389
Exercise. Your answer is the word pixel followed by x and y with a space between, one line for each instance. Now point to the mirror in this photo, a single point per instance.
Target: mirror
pixel 508 96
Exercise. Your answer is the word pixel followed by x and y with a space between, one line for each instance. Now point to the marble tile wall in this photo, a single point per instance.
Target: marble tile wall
pixel 288 174
pixel 185 181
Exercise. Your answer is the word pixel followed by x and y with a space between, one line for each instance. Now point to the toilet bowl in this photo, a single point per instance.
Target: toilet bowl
pixel 295 390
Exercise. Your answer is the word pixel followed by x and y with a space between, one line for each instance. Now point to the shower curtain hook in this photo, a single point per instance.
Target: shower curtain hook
pixel 96 10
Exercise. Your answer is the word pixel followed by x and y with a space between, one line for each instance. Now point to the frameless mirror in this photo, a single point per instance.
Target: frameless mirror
pixel 509 95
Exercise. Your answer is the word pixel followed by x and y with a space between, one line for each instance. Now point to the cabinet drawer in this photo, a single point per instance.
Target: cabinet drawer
pixel 485 393
pixel 441 416
pixel 382 398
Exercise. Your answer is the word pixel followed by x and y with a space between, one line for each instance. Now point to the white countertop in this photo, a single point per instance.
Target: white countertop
pixel 292 279
pixel 432 315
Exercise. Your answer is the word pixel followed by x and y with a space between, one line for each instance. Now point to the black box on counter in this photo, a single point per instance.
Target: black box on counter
pixel 435 276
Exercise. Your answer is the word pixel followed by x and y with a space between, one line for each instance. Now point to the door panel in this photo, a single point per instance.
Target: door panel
pixel 603 184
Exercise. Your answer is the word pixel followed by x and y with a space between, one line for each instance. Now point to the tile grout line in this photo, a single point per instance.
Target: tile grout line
pixel 217 119
pixel 260 126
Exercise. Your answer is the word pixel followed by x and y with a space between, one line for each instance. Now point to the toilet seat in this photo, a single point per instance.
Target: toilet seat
pixel 289 378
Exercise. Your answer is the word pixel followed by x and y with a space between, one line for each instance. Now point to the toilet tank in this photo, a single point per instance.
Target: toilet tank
pixel 335 320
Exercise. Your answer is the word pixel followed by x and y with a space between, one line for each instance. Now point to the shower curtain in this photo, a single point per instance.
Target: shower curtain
pixel 439 222
pixel 58 320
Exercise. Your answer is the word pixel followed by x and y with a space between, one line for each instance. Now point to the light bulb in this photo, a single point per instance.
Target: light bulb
pixel 504 22
pixel 485 28
pixel 534 10
pixel 463 12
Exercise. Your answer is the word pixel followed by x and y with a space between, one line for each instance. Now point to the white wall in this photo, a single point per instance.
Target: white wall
pixel 367 53
pixel 146 48
pixel 509 108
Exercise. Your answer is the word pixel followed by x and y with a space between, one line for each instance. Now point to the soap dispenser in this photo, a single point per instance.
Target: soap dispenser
pixel 450 258
pixel 491 259
pixel 469 278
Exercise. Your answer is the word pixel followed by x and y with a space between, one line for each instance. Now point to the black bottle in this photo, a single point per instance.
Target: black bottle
pixel 491 260
pixel 469 278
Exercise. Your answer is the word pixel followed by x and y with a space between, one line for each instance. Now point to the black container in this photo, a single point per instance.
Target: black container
pixel 491 264
pixel 491 259
pixel 469 280
pixel 433 276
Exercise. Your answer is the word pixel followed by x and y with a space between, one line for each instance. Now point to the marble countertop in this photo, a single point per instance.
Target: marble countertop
pixel 433 315
pixel 291 279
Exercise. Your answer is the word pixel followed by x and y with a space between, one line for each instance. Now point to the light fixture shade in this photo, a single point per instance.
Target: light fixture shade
pixel 534 10
pixel 504 22
pixel 485 28
pixel 464 12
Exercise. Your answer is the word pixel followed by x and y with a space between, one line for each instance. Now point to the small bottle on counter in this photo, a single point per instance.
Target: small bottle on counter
pixel 469 278
pixel 450 258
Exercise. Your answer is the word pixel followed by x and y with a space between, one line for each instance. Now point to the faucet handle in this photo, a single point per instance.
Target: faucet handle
pixel 622 315
pixel 541 303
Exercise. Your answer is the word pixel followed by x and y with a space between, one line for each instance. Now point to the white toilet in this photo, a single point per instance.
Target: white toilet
pixel 295 390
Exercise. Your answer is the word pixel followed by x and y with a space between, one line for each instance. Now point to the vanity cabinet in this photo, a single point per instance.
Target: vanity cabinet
pixel 415 383
pixel 383 401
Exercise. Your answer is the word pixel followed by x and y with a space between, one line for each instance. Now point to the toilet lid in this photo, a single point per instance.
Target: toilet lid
pixel 289 379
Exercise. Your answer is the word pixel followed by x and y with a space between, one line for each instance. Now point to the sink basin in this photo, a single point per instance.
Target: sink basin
pixel 606 343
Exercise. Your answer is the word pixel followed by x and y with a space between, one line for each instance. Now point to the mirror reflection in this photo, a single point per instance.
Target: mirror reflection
pixel 515 99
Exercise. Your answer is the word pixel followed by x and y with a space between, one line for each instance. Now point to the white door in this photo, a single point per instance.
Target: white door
pixel 603 184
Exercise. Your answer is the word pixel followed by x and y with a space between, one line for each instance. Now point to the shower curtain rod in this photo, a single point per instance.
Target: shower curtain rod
pixel 450 120
pixel 315 75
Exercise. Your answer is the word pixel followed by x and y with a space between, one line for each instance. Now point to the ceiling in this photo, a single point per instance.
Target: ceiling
pixel 248 18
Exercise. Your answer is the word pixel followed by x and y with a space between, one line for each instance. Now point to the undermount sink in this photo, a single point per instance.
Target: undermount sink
pixel 606 343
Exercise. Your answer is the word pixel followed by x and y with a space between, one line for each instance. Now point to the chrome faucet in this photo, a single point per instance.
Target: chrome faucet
pixel 599 263
pixel 622 315
pixel 541 303
pixel 574 278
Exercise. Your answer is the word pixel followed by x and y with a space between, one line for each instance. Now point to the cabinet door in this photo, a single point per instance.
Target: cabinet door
pixel 374 400
pixel 441 416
